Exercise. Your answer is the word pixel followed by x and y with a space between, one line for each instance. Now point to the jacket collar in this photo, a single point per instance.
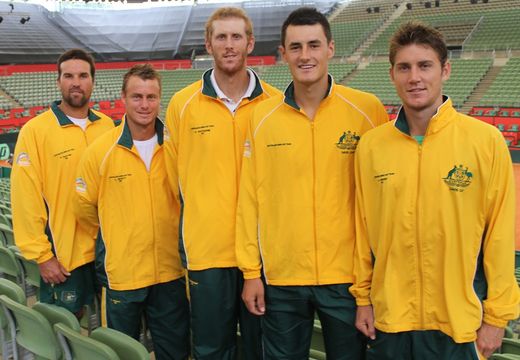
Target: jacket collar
pixel 209 90
pixel 289 93
pixel 443 116
pixel 125 139
pixel 64 120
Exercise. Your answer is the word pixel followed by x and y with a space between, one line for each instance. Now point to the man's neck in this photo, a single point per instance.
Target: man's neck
pixel 418 120
pixel 78 113
pixel 141 133
pixel 233 85
pixel 309 97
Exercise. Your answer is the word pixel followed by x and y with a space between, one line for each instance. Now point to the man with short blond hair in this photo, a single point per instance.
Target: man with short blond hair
pixel 206 126
pixel 122 187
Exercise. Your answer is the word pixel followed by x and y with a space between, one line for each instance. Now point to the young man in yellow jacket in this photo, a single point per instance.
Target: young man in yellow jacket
pixel 295 217
pixel 122 186
pixel 206 125
pixel 435 219
pixel 47 152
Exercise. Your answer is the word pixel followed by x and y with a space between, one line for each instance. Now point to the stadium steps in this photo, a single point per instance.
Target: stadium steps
pixel 370 39
pixel 13 102
pixel 481 89
pixel 338 11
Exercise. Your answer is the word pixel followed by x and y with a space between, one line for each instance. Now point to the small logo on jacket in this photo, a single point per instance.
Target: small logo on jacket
pixel 458 178
pixel 23 159
pixel 247 149
pixel 81 186
pixel 348 141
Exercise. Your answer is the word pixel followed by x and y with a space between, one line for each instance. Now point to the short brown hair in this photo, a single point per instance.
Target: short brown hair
pixel 418 33
pixel 77 54
pixel 226 13
pixel 144 72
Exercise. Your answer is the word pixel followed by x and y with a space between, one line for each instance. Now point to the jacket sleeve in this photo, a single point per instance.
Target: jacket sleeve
pixel 503 294
pixel 246 245
pixel 381 116
pixel 88 179
pixel 362 253
pixel 27 199
pixel 171 142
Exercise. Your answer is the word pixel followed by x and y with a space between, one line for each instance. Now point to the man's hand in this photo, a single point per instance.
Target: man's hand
pixel 489 338
pixel 253 296
pixel 52 272
pixel 365 321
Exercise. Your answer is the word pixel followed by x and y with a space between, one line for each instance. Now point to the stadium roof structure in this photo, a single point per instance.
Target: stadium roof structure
pixel 126 30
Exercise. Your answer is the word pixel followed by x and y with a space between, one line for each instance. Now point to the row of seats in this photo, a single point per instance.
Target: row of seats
pixel 51 332
pixel 505 90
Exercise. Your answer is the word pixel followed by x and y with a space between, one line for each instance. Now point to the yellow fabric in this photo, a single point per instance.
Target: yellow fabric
pixel 44 166
pixel 424 213
pixel 137 213
pixel 203 144
pixel 295 217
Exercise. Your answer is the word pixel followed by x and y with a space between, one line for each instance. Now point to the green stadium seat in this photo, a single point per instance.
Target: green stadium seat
pixel 79 347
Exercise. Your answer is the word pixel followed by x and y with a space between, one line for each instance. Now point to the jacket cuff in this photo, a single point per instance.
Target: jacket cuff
pixel 45 257
pixel 490 320
pixel 363 301
pixel 251 274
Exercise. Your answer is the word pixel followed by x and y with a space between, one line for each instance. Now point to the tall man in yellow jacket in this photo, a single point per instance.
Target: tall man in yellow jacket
pixel 47 152
pixel 122 186
pixel 295 217
pixel 435 219
pixel 206 125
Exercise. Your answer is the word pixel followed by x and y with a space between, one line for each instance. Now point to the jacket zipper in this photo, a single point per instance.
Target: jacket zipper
pixel 418 242
pixel 314 201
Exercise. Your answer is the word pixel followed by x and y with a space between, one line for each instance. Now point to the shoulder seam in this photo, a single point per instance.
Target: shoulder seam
pixel 355 107
pixel 265 117
pixel 188 101
pixel 102 164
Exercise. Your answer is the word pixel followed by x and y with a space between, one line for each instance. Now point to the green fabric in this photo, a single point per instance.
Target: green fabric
pixel 419 345
pixel 419 138
pixel 288 323
pixel 76 292
pixel 64 119
pixel 215 309
pixel 289 93
pixel 166 309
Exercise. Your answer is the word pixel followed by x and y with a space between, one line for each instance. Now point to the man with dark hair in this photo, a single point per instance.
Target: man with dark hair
pixel 136 249
pixel 435 219
pixel 295 216
pixel 207 124
pixel 47 152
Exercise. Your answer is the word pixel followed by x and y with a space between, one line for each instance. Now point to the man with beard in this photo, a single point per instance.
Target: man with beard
pixel 205 131
pixel 47 152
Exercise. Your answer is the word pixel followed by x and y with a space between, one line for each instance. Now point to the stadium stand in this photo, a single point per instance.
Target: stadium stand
pixel 505 90
pixel 479 26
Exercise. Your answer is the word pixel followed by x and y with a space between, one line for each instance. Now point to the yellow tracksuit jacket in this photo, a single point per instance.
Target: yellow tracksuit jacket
pixel 47 152
pixel 137 213
pixel 204 144
pixel 438 219
pixel 295 217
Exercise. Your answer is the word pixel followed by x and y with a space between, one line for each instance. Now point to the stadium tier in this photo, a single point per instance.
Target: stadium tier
pixel 467 26
pixel 505 90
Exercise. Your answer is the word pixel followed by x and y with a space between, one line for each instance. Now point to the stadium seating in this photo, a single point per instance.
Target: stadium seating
pixel 479 26
pixel 505 90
